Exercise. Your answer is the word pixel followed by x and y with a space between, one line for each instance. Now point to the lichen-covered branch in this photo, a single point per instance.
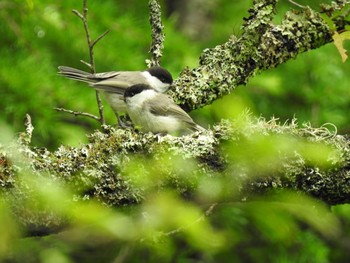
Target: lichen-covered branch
pixel 25 138
pixel 157 33
pixel 120 167
pixel 262 45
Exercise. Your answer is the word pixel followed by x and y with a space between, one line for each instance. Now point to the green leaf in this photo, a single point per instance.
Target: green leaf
pixel 338 42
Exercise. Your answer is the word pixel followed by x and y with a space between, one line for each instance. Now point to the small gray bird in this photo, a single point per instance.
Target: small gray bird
pixel 156 112
pixel 114 83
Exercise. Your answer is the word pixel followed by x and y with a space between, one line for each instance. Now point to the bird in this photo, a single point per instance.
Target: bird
pixel 155 112
pixel 114 83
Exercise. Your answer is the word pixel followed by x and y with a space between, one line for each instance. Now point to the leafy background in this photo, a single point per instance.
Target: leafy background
pixel 38 36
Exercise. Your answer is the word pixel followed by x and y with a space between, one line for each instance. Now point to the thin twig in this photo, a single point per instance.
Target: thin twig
pixel 91 45
pixel 157 34
pixel 295 3
pixel 99 38
pixel 78 113
pixel 86 63
pixel 207 213
pixel 78 14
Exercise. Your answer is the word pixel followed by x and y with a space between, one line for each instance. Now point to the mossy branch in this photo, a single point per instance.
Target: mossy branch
pixel 157 34
pixel 121 167
pixel 262 45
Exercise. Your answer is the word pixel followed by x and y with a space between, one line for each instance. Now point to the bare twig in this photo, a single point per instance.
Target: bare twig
pixel 157 34
pixel 86 63
pixel 207 213
pixel 78 113
pixel 295 3
pixel 99 38
pixel 91 65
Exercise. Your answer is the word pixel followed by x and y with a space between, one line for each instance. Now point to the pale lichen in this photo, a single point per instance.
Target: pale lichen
pixel 157 34
pixel 261 45
pixel 100 170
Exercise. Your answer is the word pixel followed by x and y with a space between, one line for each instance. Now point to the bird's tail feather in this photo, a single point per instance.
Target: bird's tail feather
pixel 76 74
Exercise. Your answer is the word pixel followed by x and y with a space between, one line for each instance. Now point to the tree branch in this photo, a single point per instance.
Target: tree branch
pixel 296 4
pixel 99 38
pixel 78 113
pixel 207 213
pixel 229 155
pixel 261 46
pixel 157 34
pixel 91 65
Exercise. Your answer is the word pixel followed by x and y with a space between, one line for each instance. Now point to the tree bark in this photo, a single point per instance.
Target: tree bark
pixel 261 46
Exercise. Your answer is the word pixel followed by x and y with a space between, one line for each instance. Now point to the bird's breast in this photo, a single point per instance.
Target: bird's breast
pixel 116 101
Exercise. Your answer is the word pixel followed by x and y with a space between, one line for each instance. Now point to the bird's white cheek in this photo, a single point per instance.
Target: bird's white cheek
pixel 157 84
pixel 163 87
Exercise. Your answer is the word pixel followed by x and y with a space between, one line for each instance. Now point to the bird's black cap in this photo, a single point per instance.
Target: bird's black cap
pixel 161 73
pixel 135 89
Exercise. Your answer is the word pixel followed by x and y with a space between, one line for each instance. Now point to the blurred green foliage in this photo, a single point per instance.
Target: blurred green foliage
pixel 38 36
pixel 209 226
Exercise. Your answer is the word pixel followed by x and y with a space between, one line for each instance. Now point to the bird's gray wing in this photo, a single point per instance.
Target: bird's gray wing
pixel 112 85
pixel 117 83
pixel 106 75
pixel 163 105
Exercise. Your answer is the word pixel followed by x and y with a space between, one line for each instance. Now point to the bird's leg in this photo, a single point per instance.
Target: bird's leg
pixel 123 123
